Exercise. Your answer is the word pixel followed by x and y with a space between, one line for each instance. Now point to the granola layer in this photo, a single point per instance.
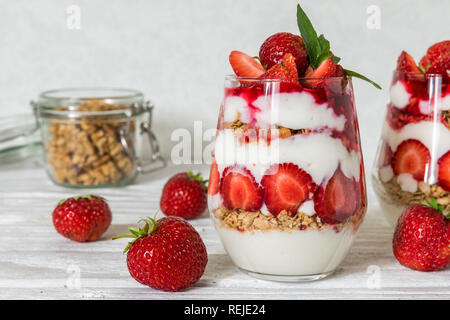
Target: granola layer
pixel 424 192
pixel 242 220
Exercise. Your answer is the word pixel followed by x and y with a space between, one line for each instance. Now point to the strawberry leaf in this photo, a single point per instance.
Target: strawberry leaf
pixel 318 47
pixel 309 36
pixel 433 204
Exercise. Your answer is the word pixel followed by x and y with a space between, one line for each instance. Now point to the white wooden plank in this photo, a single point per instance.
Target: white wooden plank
pixel 36 262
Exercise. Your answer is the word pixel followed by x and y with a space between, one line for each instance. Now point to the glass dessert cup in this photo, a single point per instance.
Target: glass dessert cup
pixel 287 187
pixel 411 162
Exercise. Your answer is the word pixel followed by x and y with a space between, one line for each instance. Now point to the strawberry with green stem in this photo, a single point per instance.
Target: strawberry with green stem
pixel 422 237
pixel 166 254
pixel 184 195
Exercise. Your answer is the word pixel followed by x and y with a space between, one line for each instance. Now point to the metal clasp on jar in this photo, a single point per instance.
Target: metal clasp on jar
pixel 157 161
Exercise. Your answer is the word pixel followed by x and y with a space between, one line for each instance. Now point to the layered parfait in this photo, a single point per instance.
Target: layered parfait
pixel 413 161
pixel 287 187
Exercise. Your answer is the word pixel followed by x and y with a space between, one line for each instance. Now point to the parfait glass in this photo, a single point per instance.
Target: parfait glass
pixel 413 158
pixel 287 186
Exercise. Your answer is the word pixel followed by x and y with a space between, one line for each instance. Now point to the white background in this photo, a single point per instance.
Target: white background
pixel 176 51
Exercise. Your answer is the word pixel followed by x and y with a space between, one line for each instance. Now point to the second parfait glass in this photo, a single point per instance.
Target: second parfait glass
pixel 287 186
pixel 413 159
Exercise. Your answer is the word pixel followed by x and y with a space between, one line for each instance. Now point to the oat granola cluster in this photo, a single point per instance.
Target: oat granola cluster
pixel 249 221
pixel 242 220
pixel 88 151
pixel 424 191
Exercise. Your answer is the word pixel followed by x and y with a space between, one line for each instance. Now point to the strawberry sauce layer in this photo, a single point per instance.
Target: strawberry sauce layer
pixel 419 96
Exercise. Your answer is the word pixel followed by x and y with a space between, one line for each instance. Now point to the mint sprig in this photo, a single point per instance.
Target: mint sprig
pixel 360 76
pixel 318 47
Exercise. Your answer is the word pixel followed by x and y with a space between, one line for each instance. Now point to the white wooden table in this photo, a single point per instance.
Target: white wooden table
pixel 37 263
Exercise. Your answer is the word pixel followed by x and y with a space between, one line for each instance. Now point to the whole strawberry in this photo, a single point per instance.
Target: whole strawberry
pixel 422 238
pixel 184 195
pixel 276 46
pixel 437 59
pixel 82 218
pixel 167 254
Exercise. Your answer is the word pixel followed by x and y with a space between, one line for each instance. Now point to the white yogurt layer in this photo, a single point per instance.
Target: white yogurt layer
pixel 236 108
pixel 427 107
pixel 318 154
pixel 295 253
pixel 307 208
pixel 386 173
pixel 445 102
pixel 399 95
pixel 297 110
pixel 407 182
pixel 214 201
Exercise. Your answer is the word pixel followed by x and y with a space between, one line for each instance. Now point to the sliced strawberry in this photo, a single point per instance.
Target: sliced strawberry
pixel 289 63
pixel 286 187
pixel 286 70
pixel 406 63
pixel 327 69
pixel 245 66
pixel 239 189
pixel 411 157
pixel 444 171
pixel 214 177
pixel 340 199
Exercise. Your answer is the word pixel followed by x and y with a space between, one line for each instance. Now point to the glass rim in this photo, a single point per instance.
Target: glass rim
pixel 235 77
pixel 419 73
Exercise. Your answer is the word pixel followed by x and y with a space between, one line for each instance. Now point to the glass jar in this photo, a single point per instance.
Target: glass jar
pixel 287 187
pixel 413 157
pixel 92 137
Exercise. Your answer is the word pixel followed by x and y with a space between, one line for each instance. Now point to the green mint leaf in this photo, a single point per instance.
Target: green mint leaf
pixel 336 59
pixel 309 36
pixel 360 76
pixel 324 43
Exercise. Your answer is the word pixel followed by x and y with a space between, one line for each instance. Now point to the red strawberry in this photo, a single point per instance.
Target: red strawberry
pixel 285 70
pixel 276 46
pixel 286 187
pixel 422 238
pixel 245 66
pixel 214 178
pixel 444 171
pixel 340 199
pixel 239 189
pixel 83 218
pixel 167 254
pixel 327 69
pixel 437 59
pixel 411 157
pixel 406 63
pixel 184 195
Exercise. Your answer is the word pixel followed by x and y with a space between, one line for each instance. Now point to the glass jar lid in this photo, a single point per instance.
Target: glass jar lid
pixel 89 102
